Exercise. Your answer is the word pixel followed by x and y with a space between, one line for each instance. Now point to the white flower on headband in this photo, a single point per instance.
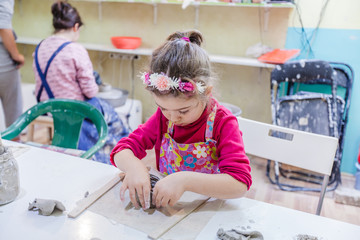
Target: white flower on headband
pixel 200 87
pixel 163 83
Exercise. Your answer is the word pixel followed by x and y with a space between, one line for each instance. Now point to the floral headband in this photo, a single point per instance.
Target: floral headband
pixel 162 83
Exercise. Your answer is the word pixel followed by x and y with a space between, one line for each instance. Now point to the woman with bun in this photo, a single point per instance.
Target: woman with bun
pixel 63 69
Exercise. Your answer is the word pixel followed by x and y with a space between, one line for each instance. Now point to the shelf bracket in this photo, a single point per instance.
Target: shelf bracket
pixel 155 9
pixel 266 18
pixel 20 7
pixel 100 10
pixel 196 5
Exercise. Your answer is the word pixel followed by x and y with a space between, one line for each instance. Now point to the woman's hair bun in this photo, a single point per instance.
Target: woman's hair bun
pixel 57 9
pixel 64 15
pixel 193 35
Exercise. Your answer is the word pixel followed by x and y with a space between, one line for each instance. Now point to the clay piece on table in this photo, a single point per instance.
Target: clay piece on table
pixel 305 237
pixel 153 181
pixel 235 234
pixel 46 206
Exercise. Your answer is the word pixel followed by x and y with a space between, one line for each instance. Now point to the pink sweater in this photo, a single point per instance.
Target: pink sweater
pixel 70 74
pixel 230 146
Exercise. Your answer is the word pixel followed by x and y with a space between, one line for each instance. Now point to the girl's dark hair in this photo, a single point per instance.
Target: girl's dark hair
pixel 64 16
pixel 182 57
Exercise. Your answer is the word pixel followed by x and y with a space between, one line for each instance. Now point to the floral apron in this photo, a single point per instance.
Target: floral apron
pixel 196 157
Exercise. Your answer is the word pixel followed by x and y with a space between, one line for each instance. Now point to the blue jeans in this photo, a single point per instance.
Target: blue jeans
pixel 116 130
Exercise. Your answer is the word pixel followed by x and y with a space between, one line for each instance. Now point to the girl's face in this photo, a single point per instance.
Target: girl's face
pixel 180 111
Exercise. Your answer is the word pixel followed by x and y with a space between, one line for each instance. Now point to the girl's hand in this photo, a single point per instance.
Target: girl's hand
pixel 168 190
pixel 137 181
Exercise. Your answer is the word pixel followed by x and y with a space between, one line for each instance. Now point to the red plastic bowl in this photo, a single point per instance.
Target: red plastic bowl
pixel 126 42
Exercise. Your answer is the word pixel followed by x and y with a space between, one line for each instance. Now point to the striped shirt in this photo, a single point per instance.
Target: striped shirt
pixel 70 74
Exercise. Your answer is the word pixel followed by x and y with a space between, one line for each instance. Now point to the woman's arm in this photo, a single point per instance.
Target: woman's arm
pixel 84 72
pixel 168 190
pixel 8 40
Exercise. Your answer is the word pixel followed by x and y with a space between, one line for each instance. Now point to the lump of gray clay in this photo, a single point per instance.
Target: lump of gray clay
pixel 153 181
pixel 305 237
pixel 235 234
pixel 46 206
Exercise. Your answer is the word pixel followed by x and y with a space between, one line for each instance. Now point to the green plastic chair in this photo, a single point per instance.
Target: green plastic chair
pixel 68 117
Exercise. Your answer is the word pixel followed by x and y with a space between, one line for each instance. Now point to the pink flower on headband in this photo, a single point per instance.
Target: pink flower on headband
pixel 159 81
pixel 186 87
pixel 146 78
pixel 162 83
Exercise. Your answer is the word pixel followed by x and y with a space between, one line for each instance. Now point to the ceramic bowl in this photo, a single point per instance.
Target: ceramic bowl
pixel 115 96
pixel 126 42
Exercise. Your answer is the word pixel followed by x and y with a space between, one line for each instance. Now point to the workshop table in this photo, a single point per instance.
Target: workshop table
pixel 51 175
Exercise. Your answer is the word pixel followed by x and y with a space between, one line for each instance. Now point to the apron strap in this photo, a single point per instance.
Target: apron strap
pixel 209 129
pixel 43 74
pixel 210 123
pixel 170 127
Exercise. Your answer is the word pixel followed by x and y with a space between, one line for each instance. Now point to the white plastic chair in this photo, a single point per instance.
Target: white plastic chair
pixel 305 150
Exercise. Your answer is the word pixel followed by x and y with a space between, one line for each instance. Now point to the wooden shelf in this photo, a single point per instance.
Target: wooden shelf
pixel 242 61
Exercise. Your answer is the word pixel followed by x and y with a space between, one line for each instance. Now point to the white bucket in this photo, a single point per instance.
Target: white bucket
pixel 233 109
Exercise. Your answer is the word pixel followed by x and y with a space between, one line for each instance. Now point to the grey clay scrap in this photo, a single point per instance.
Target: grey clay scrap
pixel 46 206
pixel 235 234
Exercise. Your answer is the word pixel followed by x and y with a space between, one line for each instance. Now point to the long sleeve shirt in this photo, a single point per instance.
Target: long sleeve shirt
pixel 6 13
pixel 229 147
pixel 70 74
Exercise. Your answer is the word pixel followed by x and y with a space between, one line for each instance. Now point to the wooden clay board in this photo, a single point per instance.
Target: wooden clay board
pixel 154 222
pixel 191 226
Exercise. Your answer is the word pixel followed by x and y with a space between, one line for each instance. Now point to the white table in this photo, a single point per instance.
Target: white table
pixel 51 175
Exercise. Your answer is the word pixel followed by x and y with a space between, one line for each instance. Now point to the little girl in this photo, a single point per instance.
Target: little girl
pixel 197 142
